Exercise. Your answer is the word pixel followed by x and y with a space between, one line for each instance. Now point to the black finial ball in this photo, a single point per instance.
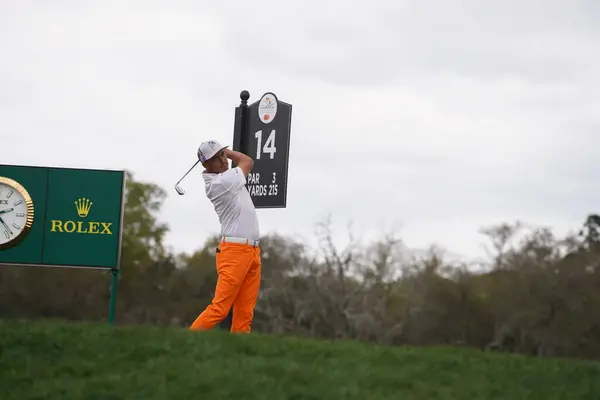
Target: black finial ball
pixel 244 95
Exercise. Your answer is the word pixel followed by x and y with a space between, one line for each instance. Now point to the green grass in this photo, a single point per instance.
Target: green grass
pixel 61 360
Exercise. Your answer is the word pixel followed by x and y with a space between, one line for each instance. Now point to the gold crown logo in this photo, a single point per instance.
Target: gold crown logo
pixel 83 206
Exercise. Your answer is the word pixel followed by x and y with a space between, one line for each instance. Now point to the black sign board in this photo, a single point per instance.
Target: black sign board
pixel 262 131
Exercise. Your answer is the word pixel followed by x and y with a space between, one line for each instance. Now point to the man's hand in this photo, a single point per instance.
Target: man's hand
pixel 242 160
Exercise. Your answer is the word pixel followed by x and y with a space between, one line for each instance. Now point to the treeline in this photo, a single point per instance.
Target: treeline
pixel 538 294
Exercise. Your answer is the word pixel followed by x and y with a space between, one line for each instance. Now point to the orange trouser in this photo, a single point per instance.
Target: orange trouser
pixel 238 283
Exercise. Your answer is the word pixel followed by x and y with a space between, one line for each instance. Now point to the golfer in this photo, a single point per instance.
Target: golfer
pixel 238 255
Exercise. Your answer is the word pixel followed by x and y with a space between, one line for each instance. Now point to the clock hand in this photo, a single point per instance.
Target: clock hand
pixel 5 211
pixel 6 226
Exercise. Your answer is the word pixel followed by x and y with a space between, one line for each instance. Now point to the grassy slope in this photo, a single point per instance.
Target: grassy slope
pixel 59 360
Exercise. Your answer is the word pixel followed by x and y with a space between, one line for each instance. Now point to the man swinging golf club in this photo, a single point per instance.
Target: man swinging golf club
pixel 238 255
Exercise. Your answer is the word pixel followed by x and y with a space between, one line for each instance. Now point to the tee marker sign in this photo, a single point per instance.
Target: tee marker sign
pixel 262 132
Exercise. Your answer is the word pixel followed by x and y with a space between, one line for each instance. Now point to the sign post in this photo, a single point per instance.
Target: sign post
pixel 62 217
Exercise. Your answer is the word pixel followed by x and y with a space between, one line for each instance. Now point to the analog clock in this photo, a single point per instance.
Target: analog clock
pixel 16 213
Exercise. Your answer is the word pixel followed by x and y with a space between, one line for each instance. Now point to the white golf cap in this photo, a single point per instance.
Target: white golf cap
pixel 207 150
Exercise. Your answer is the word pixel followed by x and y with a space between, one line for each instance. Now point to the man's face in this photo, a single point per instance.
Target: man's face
pixel 218 163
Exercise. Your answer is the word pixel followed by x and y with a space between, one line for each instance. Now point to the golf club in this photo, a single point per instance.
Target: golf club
pixel 178 188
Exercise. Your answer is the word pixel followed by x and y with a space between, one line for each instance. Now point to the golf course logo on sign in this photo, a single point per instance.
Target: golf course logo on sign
pixel 82 207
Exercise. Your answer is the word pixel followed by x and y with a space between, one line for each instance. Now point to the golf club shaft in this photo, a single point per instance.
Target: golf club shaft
pixel 196 163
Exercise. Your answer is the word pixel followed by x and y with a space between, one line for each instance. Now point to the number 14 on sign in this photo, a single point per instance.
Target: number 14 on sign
pixel 269 147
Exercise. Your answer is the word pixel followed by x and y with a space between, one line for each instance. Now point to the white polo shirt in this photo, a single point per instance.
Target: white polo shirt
pixel 233 203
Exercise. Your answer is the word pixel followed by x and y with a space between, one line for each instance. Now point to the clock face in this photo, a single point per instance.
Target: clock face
pixel 16 212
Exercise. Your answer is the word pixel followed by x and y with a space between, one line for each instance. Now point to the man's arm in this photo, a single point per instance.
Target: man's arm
pixel 243 161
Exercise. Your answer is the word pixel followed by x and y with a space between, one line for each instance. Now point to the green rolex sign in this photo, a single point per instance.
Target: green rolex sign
pixel 83 218
pixel 61 217
pixel 77 217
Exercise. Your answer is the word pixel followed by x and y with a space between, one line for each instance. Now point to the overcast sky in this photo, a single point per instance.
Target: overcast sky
pixel 437 117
